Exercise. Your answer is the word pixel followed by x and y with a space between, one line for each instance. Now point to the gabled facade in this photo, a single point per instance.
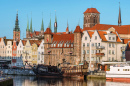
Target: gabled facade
pixel 20 48
pixel 99 46
pixel 27 52
pixel 14 49
pixel 40 58
pixel 9 48
pixel 34 53
pixel 2 47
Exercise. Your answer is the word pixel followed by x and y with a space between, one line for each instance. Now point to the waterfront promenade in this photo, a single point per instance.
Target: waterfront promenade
pixel 25 72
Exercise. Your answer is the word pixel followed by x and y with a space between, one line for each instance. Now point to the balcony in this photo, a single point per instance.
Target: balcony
pixel 100 47
pixel 100 54
pixel 123 48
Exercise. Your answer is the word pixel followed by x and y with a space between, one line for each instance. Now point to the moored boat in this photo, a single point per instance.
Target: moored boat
pixel 47 71
pixel 118 73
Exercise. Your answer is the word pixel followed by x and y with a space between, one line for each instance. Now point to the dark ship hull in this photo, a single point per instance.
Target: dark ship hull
pixel 47 71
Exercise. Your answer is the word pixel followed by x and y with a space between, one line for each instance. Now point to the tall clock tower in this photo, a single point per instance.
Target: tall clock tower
pixel 16 30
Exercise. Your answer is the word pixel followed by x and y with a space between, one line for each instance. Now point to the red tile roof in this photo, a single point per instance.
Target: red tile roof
pixel 62 38
pixel 91 10
pixel 90 33
pixel 48 31
pixel 125 41
pixel 37 32
pixel 24 42
pixel 78 29
pixel 124 29
pixel 102 35
pixel 38 42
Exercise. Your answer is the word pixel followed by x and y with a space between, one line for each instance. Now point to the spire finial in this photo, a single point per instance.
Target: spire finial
pixel 119 17
pixel 31 24
pixel 27 24
pixel 42 26
pixel 17 23
pixel 50 22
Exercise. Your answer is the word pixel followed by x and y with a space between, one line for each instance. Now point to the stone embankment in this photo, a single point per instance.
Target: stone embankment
pixel 26 72
pixel 6 81
pixel 97 75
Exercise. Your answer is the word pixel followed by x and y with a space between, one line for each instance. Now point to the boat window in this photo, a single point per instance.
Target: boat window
pixel 127 69
pixel 123 69
pixel 118 69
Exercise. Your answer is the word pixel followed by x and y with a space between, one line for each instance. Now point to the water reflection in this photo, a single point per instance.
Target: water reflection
pixel 35 81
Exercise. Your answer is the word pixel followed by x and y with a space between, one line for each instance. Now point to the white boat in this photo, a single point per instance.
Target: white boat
pixel 119 73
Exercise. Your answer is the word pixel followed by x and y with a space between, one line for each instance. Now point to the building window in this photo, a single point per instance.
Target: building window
pixel 109 44
pixel 95 37
pixel 109 58
pixel 95 44
pixel 68 45
pixel 109 38
pixel 113 38
pixel 54 45
pixel 92 51
pixel 51 45
pixel 87 51
pixel 113 45
pixel 60 45
pixel 83 44
pixel 92 44
pixel 87 44
pixel 85 38
pixel 65 45
pixel 109 51
pixel 112 58
pixel 71 45
pixel 98 44
pixel 113 52
pixel 83 51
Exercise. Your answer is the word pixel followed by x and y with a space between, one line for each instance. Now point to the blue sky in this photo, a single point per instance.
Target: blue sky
pixel 71 10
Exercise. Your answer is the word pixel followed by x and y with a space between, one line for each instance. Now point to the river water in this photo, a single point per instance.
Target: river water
pixel 35 81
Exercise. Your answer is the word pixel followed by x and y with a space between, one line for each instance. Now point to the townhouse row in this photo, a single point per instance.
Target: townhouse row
pixel 29 50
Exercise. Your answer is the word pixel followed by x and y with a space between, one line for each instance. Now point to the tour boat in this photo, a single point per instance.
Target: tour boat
pixel 47 71
pixel 119 73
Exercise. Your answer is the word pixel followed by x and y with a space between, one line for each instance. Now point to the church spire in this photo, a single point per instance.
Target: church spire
pixel 17 23
pixel 42 26
pixel 50 22
pixel 55 24
pixel 27 25
pixel 119 17
pixel 31 26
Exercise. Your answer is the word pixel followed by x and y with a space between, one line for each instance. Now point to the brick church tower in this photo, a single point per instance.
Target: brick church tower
pixel 16 30
pixel 91 17
pixel 47 41
pixel 77 44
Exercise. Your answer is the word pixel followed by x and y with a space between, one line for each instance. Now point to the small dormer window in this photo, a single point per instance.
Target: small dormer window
pixel 54 45
pixel 113 38
pixel 68 45
pixel 58 45
pixel 64 44
pixel 61 45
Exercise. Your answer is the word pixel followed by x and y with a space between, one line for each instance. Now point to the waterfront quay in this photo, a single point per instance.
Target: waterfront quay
pixel 6 81
pixel 25 72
